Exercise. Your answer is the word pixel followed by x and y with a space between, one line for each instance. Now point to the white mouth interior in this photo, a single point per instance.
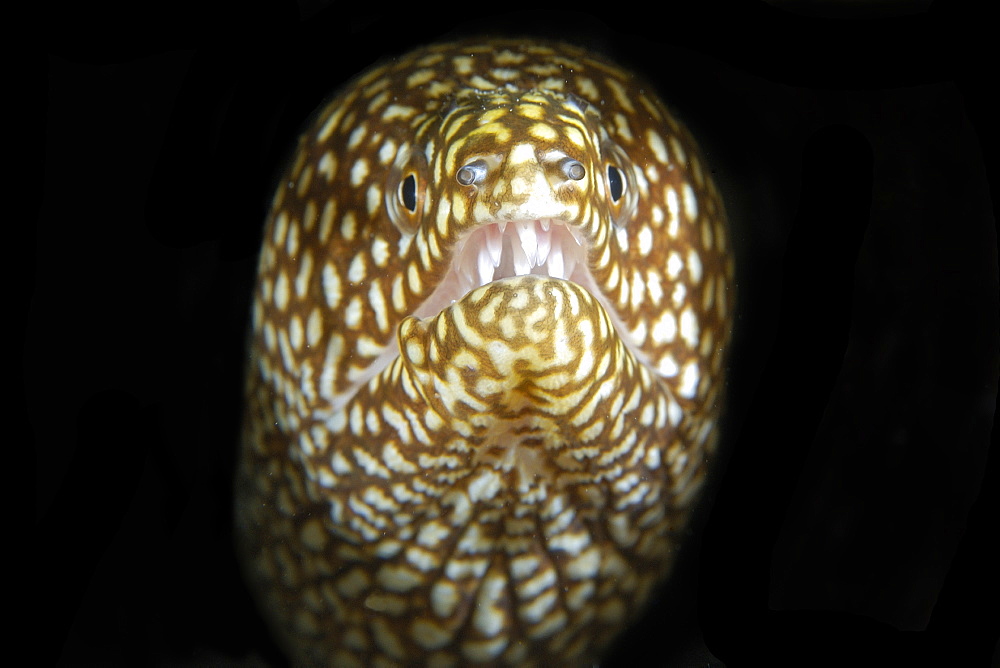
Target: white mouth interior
pixel 504 250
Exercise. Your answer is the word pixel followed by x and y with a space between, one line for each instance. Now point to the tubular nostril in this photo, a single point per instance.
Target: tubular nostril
pixel 472 173
pixel 574 169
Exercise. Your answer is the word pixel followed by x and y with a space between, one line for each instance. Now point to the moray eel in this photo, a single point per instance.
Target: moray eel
pixel 486 362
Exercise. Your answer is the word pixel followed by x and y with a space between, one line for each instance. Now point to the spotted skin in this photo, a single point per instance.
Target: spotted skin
pixel 487 356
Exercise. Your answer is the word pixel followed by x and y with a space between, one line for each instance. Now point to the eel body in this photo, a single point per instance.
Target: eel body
pixel 487 356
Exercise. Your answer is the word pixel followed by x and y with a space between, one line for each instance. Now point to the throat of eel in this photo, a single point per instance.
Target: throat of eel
pixel 495 251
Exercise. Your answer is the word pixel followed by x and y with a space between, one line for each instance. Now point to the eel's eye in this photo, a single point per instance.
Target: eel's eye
pixel 619 179
pixel 408 192
pixel 472 173
pixel 574 169
pixel 406 189
pixel 616 183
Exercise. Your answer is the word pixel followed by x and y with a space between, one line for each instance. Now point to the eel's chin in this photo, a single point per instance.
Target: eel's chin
pixel 519 368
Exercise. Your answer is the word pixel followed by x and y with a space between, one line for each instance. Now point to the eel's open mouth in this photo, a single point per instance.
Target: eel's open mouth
pixel 505 250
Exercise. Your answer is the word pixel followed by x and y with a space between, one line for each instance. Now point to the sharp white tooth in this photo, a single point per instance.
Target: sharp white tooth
pixel 544 245
pixel 576 233
pixel 460 281
pixel 521 264
pixel 494 244
pixel 529 241
pixel 502 226
pixel 555 263
pixel 485 267
pixel 569 264
pixel 545 224
pixel 468 271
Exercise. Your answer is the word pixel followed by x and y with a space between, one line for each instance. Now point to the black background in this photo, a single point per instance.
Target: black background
pixel 851 515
